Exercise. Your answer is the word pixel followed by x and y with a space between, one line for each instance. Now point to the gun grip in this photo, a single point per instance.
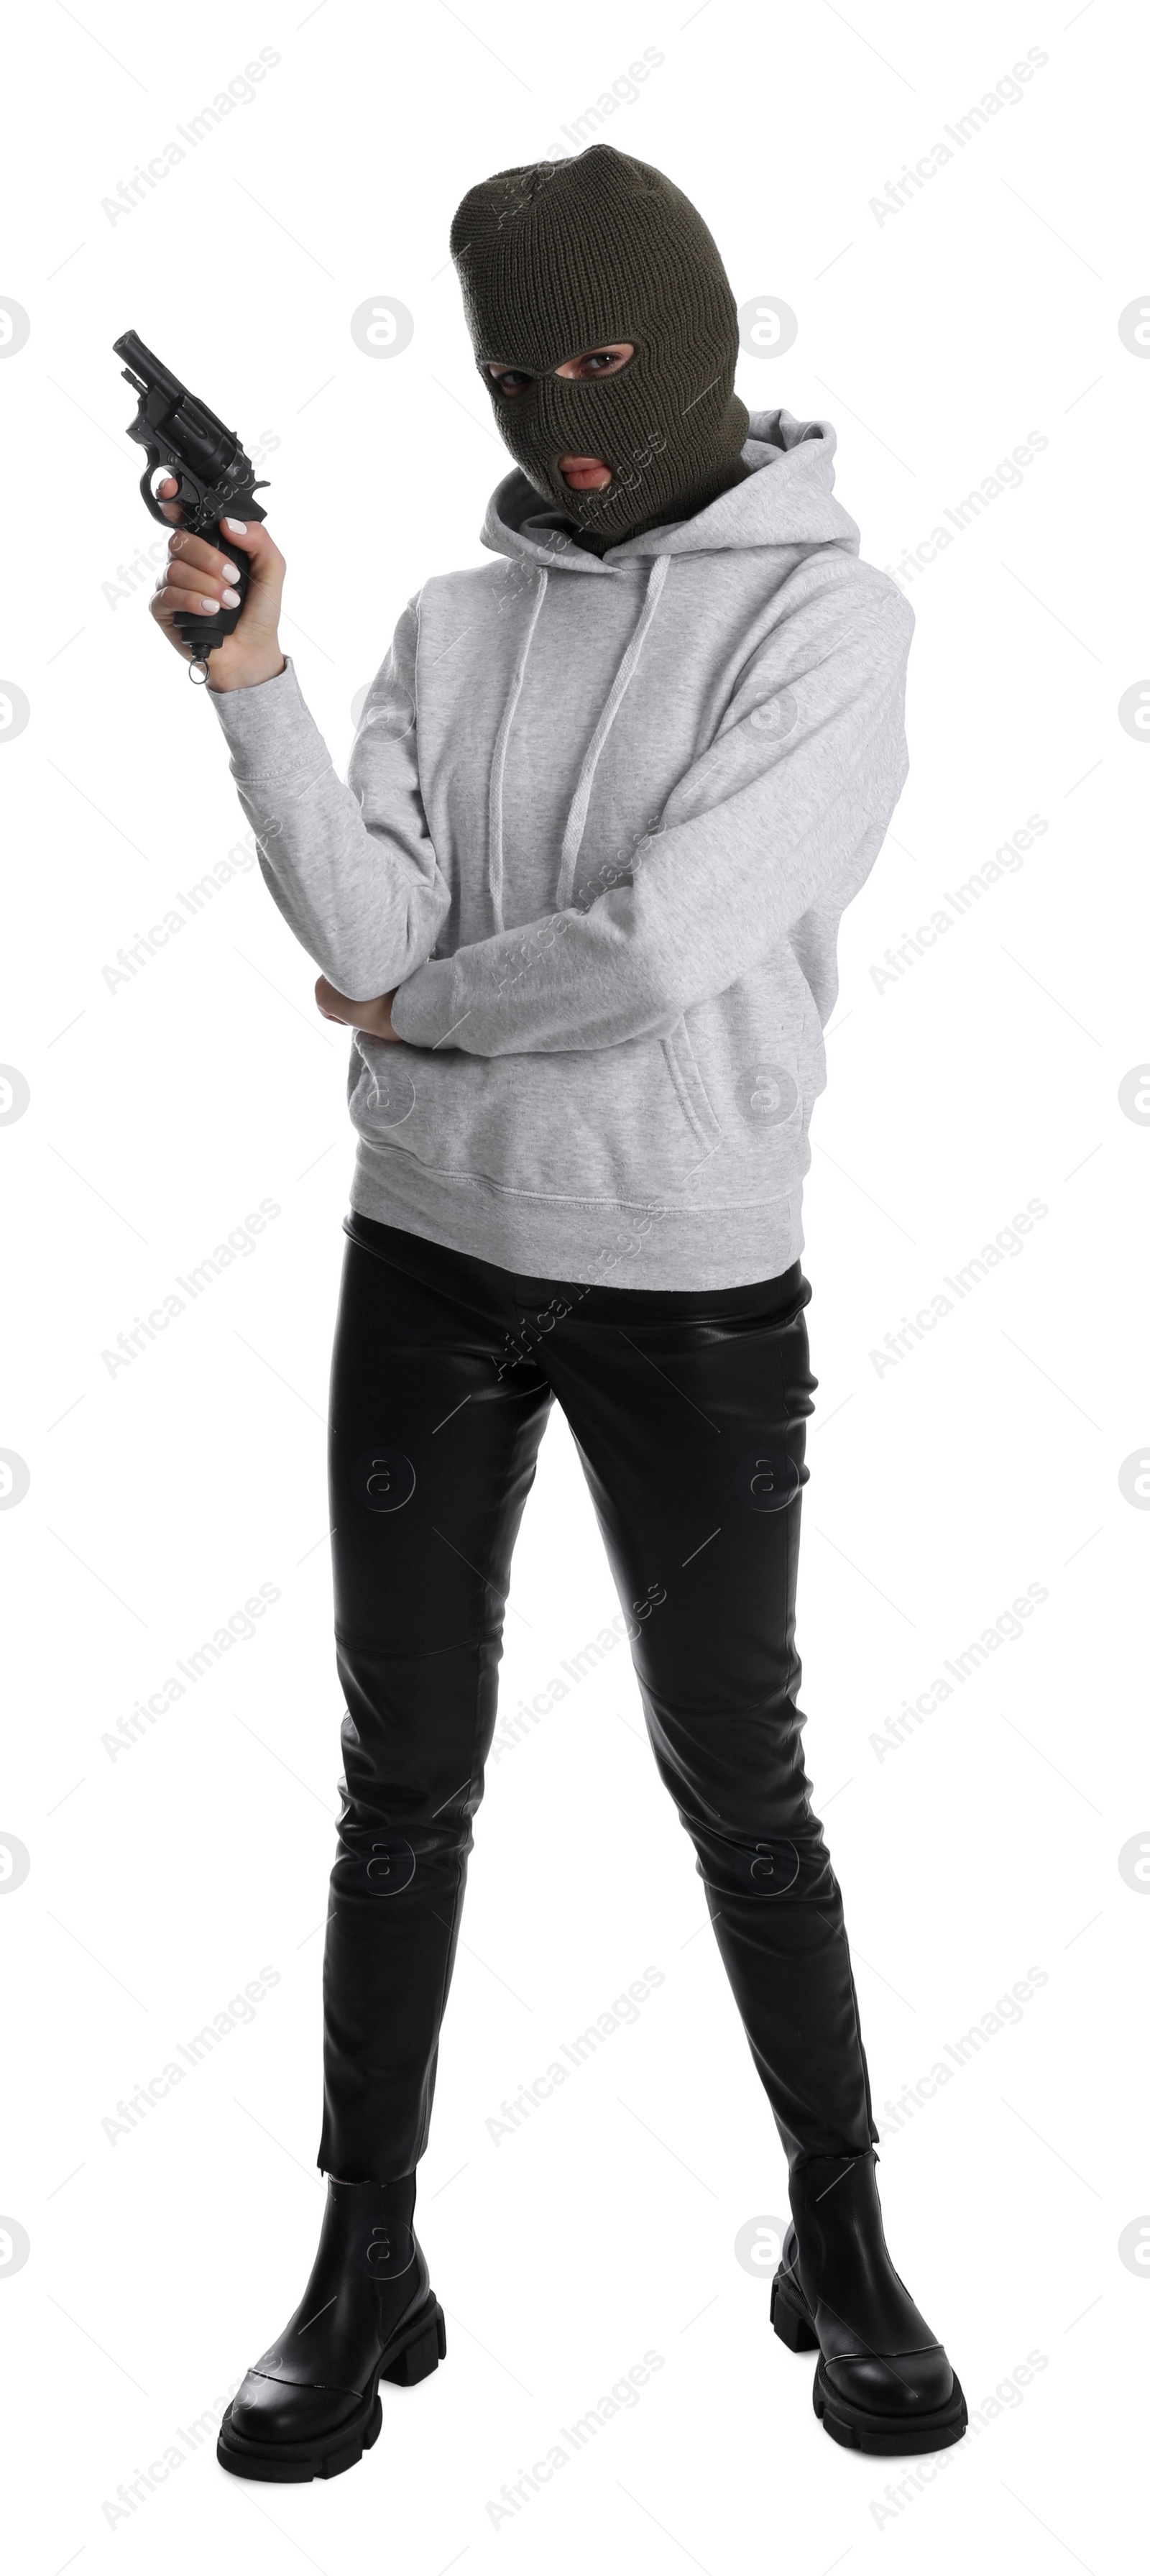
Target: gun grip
pixel 203 632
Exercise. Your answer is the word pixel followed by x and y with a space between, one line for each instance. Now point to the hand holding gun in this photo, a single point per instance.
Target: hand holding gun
pixel 206 601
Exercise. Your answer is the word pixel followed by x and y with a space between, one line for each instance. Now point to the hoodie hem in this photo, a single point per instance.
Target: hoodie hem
pixel 633 1244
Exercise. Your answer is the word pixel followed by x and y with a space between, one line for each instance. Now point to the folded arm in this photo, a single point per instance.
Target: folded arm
pixel 352 867
pixel 765 824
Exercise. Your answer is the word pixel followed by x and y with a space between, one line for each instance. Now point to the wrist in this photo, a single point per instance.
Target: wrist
pixel 273 669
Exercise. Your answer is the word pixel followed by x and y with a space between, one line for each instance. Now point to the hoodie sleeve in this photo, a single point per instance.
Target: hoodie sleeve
pixel 810 758
pixel 352 867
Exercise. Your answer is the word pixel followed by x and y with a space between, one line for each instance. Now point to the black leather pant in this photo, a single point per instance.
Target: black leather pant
pixel 689 1415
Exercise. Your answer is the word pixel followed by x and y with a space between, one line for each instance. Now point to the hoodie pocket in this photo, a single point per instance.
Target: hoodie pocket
pixel 618 1123
pixel 683 1068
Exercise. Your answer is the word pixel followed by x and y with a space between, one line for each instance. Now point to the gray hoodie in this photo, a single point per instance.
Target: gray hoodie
pixel 601 820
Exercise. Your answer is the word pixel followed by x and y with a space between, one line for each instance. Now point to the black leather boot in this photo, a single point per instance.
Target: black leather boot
pixel 309 2407
pixel 883 2382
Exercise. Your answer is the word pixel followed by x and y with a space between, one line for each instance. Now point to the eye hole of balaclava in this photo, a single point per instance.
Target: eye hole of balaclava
pixel 564 257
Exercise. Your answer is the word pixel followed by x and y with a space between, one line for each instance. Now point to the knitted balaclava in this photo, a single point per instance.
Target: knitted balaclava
pixel 564 256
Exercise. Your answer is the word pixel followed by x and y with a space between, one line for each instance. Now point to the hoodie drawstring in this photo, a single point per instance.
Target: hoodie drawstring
pixel 577 818
pixel 499 762
pixel 573 836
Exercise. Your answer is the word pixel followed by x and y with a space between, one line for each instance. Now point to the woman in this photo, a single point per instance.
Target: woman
pixel 578 903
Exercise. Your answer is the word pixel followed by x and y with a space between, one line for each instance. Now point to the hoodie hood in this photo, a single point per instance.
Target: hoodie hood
pixel 787 499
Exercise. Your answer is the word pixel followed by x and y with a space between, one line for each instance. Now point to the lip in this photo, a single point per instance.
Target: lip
pixel 585 473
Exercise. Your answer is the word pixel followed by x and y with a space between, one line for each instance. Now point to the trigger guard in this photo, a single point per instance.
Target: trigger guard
pixel 187 486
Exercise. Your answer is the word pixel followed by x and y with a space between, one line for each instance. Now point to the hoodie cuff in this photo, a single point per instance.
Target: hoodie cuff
pixel 421 1013
pixel 269 728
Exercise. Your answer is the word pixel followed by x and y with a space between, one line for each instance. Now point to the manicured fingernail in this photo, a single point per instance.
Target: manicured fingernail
pixel 239 527
pixel 231 572
pixel 231 599
pixel 209 606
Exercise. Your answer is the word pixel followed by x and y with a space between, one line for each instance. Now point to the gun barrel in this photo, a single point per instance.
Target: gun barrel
pixel 131 347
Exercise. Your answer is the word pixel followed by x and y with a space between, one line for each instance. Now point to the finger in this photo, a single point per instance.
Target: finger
pixel 170 602
pixel 163 494
pixel 264 557
pixel 163 608
pixel 179 575
pixel 201 558
pixel 186 575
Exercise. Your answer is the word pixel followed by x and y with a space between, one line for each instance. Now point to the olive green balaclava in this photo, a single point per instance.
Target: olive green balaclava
pixel 563 256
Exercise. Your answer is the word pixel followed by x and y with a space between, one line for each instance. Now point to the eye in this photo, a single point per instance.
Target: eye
pixel 598 362
pixel 508 380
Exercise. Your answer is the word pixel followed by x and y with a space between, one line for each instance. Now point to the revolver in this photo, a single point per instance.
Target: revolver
pixel 214 472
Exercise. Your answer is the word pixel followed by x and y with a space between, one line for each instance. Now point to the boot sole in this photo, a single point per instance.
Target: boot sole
pixel 851 2425
pixel 410 2357
pixel 858 2431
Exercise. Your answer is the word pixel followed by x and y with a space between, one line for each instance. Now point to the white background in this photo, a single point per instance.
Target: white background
pixel 986 1460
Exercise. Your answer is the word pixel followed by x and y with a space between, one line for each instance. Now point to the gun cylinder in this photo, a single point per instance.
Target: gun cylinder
pixel 209 446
